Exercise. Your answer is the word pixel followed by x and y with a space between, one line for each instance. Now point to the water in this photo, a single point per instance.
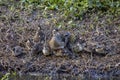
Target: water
pixel 38 76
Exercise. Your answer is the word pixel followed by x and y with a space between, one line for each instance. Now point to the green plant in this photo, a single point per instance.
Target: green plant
pixel 6 76
pixel 69 8
pixel 74 8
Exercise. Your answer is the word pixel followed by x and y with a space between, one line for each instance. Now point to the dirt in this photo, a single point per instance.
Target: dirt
pixel 94 28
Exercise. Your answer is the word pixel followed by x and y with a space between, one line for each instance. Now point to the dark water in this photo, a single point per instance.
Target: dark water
pixel 37 76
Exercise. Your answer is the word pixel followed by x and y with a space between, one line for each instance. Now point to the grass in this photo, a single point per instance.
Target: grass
pixel 70 8
pixel 6 76
pixel 9 76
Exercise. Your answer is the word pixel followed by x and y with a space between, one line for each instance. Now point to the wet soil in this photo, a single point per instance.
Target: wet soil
pixel 94 65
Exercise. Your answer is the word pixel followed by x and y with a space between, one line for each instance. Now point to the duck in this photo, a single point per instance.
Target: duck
pixel 39 35
pixel 46 50
pixel 62 52
pixel 36 49
pixel 36 37
pixel 66 37
pixel 56 42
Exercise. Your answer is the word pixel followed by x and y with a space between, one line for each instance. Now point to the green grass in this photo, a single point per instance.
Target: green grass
pixel 69 8
pixel 74 8
pixel 8 75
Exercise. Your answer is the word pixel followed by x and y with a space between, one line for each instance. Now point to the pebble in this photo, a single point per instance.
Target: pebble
pixel 17 50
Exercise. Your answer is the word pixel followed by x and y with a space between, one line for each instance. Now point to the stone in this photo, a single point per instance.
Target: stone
pixel 17 50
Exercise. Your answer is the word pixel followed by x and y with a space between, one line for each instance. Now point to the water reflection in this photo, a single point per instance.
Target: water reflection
pixel 37 76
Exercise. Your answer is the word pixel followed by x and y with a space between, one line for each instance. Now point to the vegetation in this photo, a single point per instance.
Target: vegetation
pixel 8 75
pixel 70 8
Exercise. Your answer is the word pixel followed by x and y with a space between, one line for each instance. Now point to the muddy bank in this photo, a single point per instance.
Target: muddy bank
pixel 100 32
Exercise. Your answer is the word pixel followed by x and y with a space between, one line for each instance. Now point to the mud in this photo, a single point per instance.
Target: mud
pixel 22 25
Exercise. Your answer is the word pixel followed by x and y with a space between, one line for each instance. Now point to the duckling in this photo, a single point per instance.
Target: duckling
pixel 62 52
pixel 39 35
pixel 100 50
pixel 36 37
pixel 29 44
pixel 77 48
pixel 56 41
pixel 66 38
pixel 37 48
pixel 17 50
pixel 46 50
